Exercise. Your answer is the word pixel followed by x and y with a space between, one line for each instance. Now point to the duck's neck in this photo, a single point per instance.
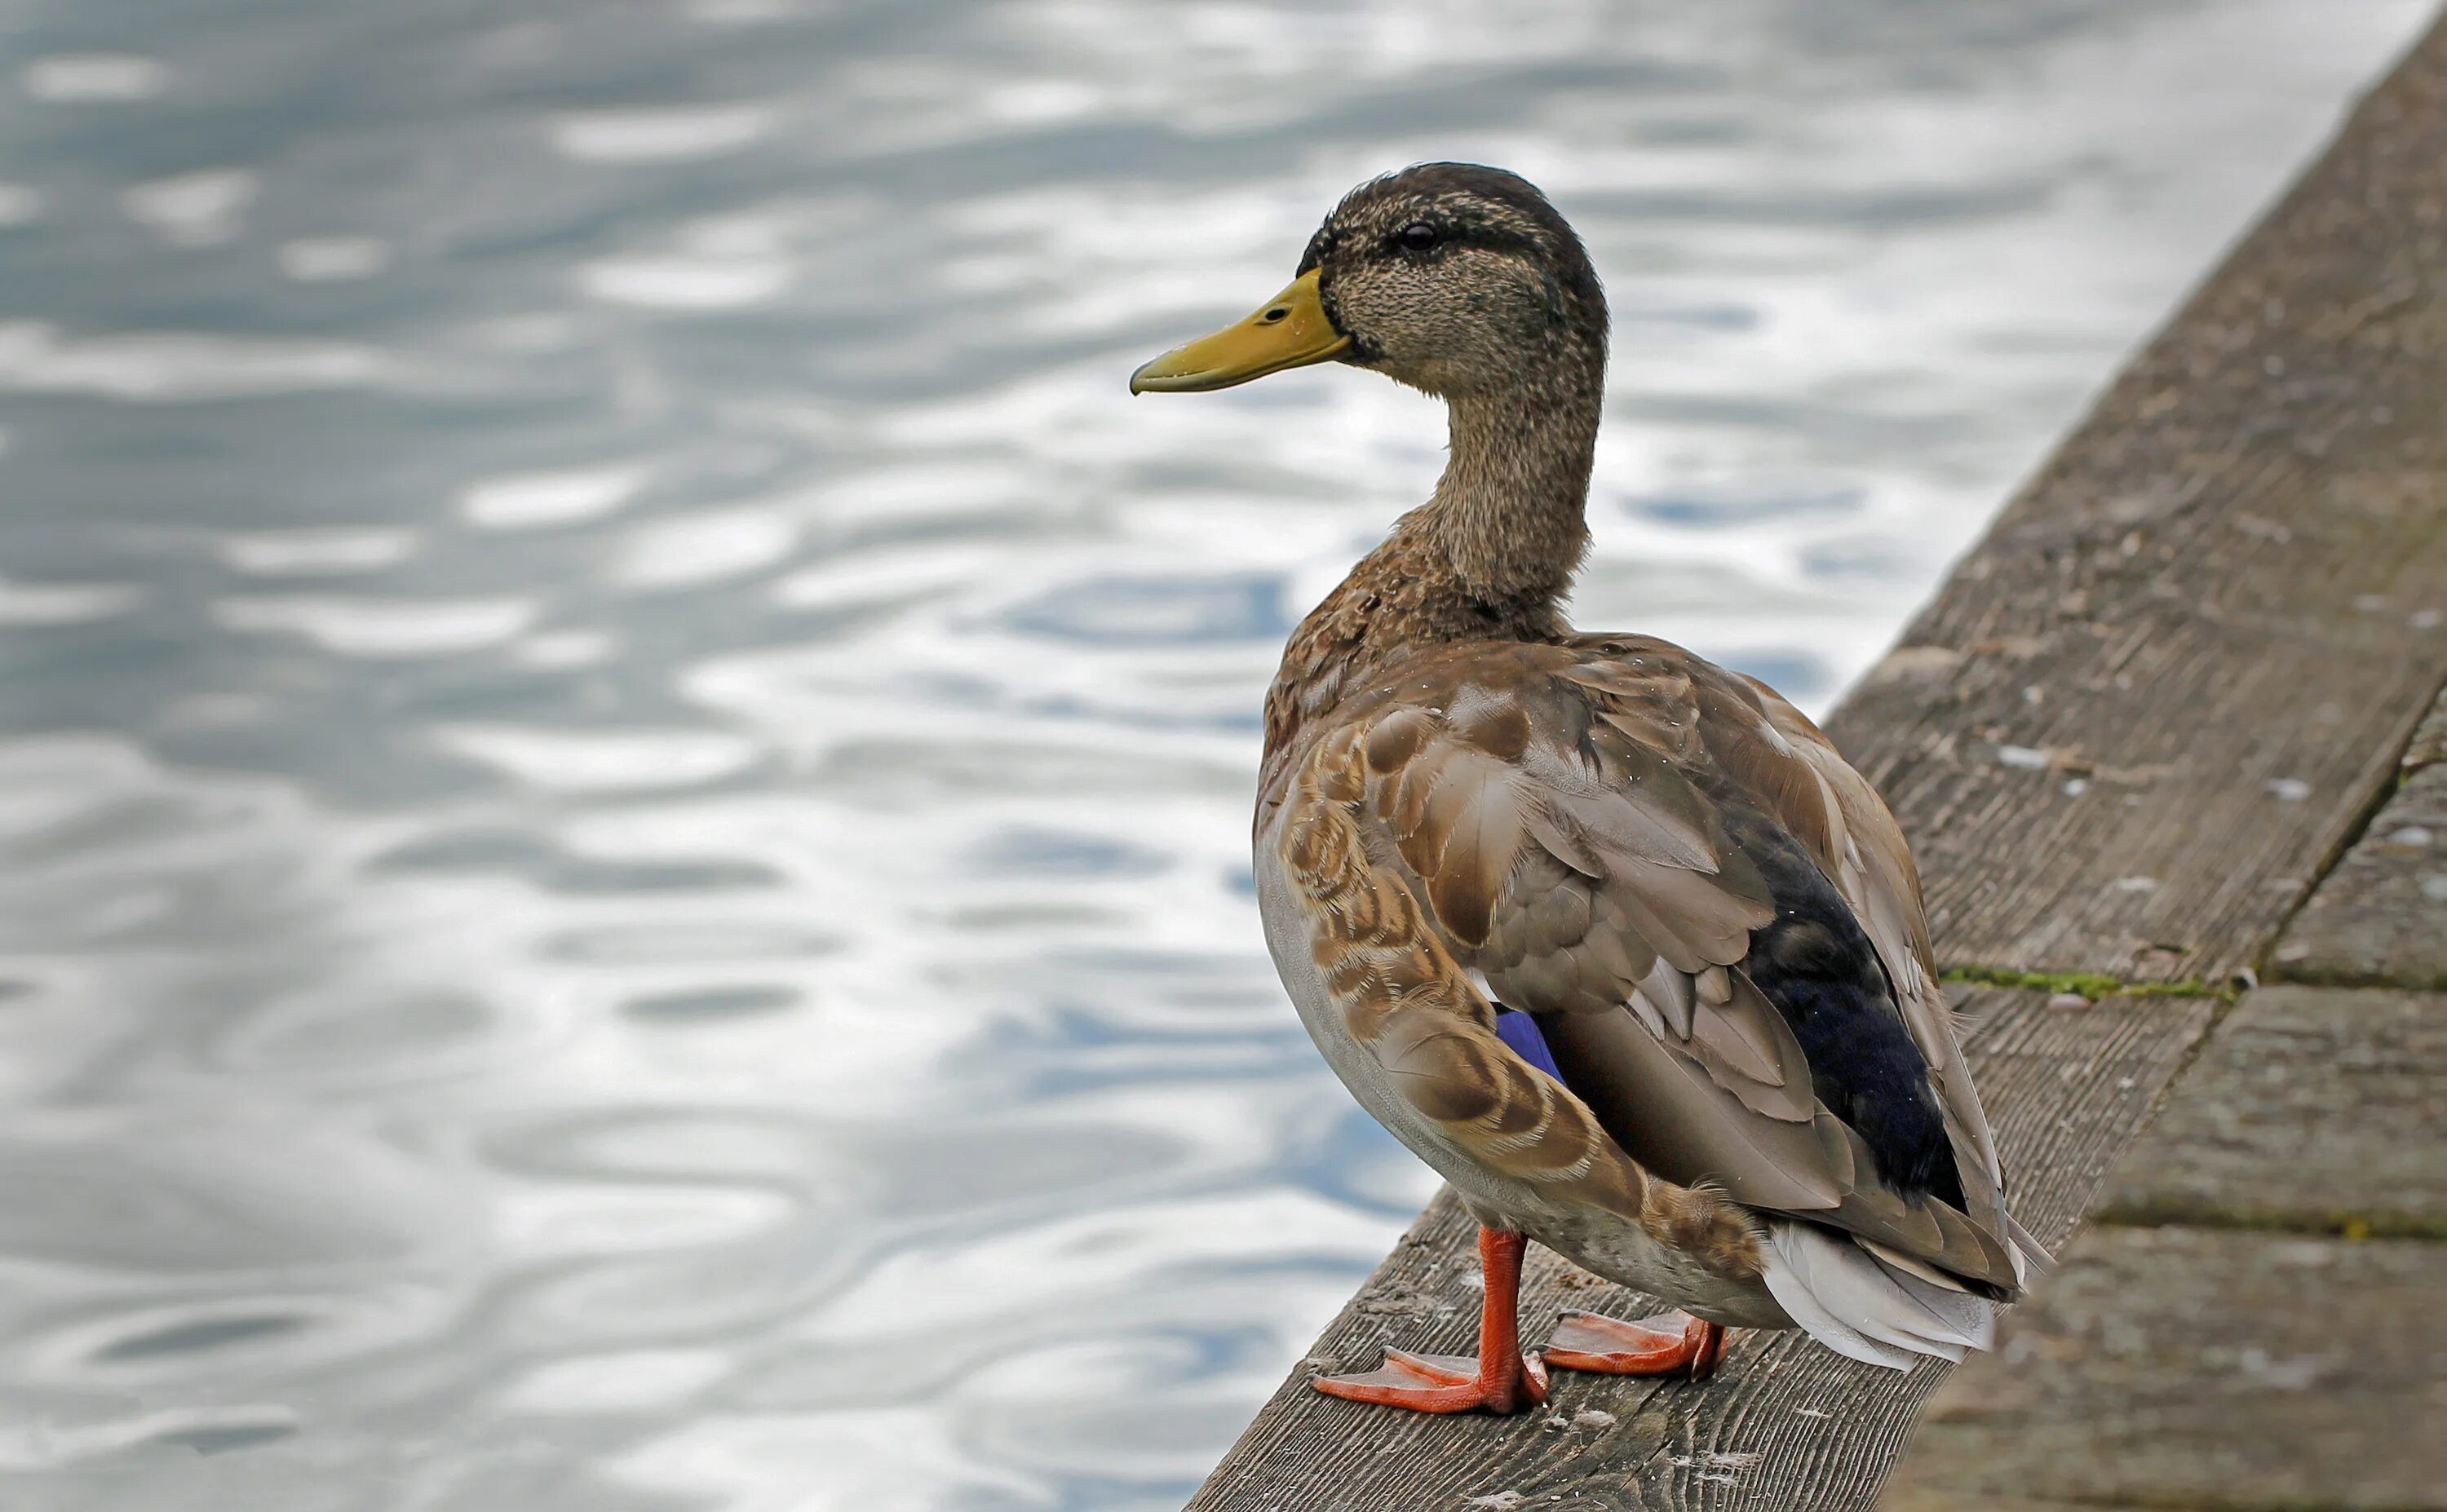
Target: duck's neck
pixel 1489 556
pixel 1507 521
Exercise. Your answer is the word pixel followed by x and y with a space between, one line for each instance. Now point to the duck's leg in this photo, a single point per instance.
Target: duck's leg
pixel 1668 1344
pixel 1500 1380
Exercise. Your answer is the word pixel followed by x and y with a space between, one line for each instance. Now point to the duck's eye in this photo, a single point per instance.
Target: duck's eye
pixel 1418 237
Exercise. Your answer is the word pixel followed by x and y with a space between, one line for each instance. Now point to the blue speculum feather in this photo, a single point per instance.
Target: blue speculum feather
pixel 1520 1031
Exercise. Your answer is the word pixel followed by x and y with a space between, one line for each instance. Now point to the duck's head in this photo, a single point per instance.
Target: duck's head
pixel 1455 279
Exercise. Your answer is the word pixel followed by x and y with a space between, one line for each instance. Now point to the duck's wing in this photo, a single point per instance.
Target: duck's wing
pixel 1697 900
pixel 1872 867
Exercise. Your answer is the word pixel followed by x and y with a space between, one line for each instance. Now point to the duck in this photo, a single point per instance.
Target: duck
pixel 1610 937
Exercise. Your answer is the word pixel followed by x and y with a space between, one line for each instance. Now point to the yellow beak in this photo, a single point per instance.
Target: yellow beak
pixel 1289 331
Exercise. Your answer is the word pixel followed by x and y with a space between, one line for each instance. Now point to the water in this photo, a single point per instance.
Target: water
pixel 623 764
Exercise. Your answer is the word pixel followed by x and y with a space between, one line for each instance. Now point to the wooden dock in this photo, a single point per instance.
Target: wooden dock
pixel 2160 739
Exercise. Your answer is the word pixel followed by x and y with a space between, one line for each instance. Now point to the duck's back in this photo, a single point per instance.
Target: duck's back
pixel 1711 918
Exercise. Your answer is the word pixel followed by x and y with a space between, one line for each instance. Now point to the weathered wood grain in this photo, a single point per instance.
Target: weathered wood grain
pixel 1785 1424
pixel 2181 1368
pixel 2169 685
pixel 2309 1109
pixel 2429 747
pixel 2380 917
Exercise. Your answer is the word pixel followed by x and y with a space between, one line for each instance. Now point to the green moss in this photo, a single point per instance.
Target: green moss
pixel 2087 984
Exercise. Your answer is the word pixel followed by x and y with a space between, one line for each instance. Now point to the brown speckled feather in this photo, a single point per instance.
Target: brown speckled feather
pixel 1582 826
pixel 1387 960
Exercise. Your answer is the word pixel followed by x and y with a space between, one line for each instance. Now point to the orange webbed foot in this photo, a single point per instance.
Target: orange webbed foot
pixel 1668 1344
pixel 1441 1383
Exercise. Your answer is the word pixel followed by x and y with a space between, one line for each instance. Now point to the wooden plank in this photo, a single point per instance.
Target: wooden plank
pixel 1786 1423
pixel 2182 1367
pixel 2380 917
pixel 2310 1109
pixel 2429 746
pixel 2169 685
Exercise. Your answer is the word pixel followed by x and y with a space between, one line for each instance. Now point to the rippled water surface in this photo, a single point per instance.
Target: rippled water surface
pixel 623 764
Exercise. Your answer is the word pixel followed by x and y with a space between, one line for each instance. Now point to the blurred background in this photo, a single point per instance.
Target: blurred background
pixel 624 765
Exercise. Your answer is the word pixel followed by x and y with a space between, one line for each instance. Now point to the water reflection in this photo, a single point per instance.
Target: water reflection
pixel 623 767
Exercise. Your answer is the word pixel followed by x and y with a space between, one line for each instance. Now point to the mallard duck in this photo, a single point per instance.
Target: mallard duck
pixel 1610 937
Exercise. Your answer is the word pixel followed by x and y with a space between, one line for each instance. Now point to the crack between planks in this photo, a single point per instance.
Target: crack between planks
pixel 2399 769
